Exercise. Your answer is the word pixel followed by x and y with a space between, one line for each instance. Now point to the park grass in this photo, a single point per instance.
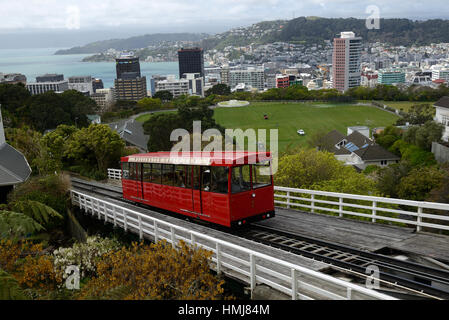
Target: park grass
pixel 311 117
pixel 399 105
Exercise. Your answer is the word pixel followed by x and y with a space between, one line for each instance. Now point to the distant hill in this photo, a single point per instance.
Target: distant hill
pixel 394 31
pixel 303 29
pixel 316 29
pixel 133 42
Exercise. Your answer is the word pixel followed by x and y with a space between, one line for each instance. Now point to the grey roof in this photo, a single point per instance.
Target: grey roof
pixel 334 137
pixel 14 167
pixel 132 132
pixel 359 139
pixel 443 102
pixel 374 153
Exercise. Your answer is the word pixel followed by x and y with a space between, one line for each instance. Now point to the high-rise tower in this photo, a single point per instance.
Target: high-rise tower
pixel 129 85
pixel 191 61
pixel 346 58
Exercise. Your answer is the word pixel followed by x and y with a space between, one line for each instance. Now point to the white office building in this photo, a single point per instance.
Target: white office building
pixel 177 87
pixel 251 77
pixel 81 84
pixel 42 87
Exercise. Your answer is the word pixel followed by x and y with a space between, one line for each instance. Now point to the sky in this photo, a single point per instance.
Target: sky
pixel 135 17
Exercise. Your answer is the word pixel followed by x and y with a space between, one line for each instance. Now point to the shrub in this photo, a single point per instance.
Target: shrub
pixel 85 255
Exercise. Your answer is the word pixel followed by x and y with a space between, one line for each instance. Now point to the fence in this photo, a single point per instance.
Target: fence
pixel 114 174
pixel 374 209
pixel 255 267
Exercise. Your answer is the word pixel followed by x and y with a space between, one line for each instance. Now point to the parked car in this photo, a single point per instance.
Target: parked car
pixel 301 132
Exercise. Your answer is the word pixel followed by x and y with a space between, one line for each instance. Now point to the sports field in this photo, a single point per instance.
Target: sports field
pixel 288 118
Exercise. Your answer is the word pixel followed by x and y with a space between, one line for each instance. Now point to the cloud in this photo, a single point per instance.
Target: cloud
pixel 31 14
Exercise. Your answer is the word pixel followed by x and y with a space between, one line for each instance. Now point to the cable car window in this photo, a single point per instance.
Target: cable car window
pixel 167 174
pixel 155 173
pixel 146 172
pixel 205 178
pixel 138 171
pixel 180 176
pixel 132 171
pixel 125 170
pixel 240 179
pixel 219 179
pixel 261 175
pixel 196 177
pixel 188 176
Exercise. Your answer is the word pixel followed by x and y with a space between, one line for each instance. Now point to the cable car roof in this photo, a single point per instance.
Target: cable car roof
pixel 201 158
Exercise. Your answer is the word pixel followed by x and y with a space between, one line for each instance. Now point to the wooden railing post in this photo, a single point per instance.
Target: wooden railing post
pixel 419 219
pixel 374 211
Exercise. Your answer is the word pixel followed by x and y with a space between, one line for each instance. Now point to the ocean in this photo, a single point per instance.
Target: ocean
pixel 35 62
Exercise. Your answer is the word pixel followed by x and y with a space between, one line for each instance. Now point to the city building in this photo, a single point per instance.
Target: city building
pixel 346 60
pixel 42 87
pixel 251 77
pixel 442 116
pixel 191 61
pixel 13 78
pixel 129 84
pixel 50 77
pixel 81 84
pixel 97 84
pixel 196 83
pixel 14 167
pixel 104 98
pixel 177 87
pixel 440 74
pixel 154 80
pixel 391 76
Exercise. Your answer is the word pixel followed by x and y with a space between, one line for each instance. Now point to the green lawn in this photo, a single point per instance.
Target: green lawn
pixel 404 105
pixel 311 117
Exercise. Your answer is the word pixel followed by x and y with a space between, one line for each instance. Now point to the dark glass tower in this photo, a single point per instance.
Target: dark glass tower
pixel 127 67
pixel 191 61
pixel 129 84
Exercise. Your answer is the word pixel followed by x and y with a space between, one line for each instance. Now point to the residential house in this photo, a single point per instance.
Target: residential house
pixel 442 116
pixel 357 150
pixel 132 133
pixel 14 167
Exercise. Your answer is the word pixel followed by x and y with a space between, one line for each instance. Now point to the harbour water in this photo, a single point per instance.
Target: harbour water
pixel 34 62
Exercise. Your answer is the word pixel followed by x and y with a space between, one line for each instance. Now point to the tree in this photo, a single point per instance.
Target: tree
pixel 164 95
pixel 424 135
pixel 419 182
pixel 388 178
pixel 219 89
pixel 97 146
pixel 150 103
pixel 418 114
pixel 388 136
pixel 159 127
pixel 308 168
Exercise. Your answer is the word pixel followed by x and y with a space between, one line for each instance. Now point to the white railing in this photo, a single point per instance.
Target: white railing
pixel 114 174
pixel 375 209
pixel 252 266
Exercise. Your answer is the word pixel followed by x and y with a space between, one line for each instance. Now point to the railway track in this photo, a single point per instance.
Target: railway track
pixel 418 279
pixel 415 279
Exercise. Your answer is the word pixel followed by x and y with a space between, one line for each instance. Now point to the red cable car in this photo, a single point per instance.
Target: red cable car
pixel 225 188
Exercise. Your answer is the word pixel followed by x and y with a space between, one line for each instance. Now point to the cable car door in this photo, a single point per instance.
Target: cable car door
pixel 196 190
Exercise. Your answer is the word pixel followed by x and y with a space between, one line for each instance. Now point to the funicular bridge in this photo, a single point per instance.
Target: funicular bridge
pixel 296 261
